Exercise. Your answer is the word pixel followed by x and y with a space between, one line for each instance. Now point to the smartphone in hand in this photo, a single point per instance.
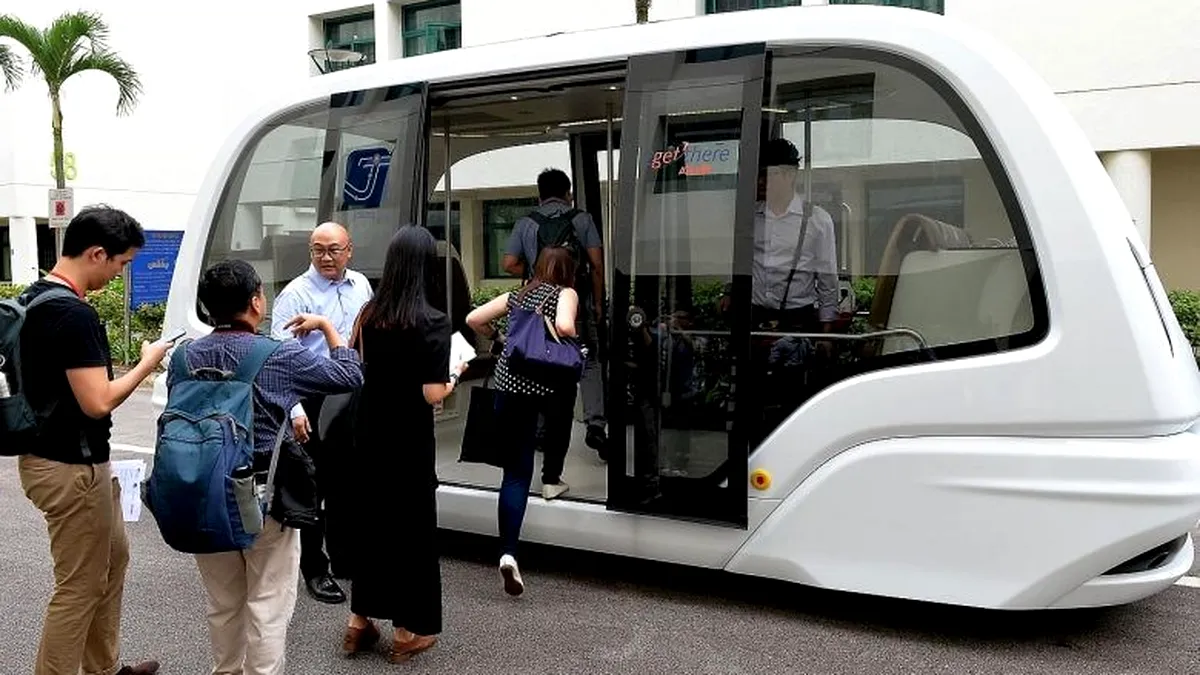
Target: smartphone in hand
pixel 171 338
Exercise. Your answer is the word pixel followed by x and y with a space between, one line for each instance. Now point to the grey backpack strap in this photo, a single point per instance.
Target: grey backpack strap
pixel 275 461
pixel 56 291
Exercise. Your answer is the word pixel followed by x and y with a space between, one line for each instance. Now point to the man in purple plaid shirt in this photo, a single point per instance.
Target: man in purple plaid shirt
pixel 252 593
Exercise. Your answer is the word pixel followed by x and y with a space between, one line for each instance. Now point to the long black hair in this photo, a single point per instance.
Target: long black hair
pixel 402 298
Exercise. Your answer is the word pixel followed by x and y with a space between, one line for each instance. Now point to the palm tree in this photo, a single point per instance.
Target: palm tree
pixel 10 68
pixel 643 10
pixel 75 42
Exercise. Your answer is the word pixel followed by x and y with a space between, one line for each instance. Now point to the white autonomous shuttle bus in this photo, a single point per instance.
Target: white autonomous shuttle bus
pixel 1001 412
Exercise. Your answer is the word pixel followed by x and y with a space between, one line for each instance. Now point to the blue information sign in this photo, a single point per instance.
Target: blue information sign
pixel 152 267
pixel 366 174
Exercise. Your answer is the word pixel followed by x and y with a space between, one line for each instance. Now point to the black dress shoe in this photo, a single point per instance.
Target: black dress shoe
pixel 325 589
pixel 144 668
pixel 597 440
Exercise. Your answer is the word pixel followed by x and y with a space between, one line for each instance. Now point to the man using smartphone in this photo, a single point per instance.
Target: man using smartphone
pixel 331 290
pixel 67 368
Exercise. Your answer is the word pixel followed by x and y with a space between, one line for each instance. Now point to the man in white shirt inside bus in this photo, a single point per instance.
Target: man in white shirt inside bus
pixel 329 289
pixel 794 285
pixel 793 290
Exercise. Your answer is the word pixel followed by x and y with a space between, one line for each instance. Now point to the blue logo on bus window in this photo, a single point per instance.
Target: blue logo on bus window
pixel 366 176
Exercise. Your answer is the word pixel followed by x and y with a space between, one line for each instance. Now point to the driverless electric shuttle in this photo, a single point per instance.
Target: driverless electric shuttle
pixel 971 389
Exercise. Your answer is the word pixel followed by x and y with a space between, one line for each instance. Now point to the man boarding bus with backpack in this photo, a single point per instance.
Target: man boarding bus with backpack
pixel 219 488
pixel 57 394
pixel 555 222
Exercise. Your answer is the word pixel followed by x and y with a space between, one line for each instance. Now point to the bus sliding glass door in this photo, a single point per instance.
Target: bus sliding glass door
pixel 373 168
pixel 682 249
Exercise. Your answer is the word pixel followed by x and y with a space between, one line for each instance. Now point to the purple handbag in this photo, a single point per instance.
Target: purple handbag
pixel 535 350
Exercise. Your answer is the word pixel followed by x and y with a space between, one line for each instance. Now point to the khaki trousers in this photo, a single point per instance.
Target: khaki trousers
pixel 82 507
pixel 251 597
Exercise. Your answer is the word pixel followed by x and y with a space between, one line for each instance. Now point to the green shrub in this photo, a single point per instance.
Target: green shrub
pixel 1186 305
pixel 486 294
pixel 145 322
pixel 864 292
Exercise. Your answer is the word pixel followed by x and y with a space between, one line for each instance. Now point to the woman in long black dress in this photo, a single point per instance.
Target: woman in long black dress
pixel 405 344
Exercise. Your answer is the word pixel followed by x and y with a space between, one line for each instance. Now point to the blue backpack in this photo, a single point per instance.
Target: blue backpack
pixel 201 490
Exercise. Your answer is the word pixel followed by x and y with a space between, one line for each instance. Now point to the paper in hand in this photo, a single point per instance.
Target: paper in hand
pixel 130 473
pixel 460 351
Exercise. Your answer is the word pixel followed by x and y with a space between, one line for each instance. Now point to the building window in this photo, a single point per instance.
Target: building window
pixel 5 256
pixel 499 218
pixel 717 6
pixel 432 27
pixel 936 6
pixel 355 33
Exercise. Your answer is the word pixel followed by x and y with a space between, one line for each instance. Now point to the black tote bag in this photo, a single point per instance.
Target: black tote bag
pixel 484 439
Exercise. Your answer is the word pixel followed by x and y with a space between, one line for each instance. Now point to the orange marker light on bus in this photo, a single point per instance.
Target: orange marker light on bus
pixel 760 479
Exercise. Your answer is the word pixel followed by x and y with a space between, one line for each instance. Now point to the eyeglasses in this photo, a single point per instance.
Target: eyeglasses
pixel 318 253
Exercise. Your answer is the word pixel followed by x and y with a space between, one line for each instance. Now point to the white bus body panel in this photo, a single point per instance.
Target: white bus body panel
pixel 1098 409
pixel 994 522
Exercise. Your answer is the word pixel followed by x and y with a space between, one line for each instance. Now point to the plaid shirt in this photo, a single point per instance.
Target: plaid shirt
pixel 290 374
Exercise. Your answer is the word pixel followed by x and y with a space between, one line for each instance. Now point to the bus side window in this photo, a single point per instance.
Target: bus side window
pixel 270 207
pixel 902 198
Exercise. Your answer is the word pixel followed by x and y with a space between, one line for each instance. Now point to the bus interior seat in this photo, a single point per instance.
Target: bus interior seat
pixel 913 232
pixel 959 295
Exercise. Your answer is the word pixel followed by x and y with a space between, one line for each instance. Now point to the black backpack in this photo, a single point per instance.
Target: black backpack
pixel 559 230
pixel 19 422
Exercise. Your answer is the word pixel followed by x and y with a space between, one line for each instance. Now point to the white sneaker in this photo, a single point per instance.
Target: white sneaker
pixel 552 490
pixel 512 575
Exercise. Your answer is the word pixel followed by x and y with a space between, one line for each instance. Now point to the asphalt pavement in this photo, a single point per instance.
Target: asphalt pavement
pixel 584 613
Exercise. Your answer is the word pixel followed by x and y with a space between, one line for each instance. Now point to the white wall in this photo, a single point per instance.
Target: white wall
pixel 1128 70
pixel 486 21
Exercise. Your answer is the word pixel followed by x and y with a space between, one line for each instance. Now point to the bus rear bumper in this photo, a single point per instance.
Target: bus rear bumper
pixel 1119 589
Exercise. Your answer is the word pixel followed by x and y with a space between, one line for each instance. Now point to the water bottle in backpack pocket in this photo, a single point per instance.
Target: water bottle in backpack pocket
pixel 249 499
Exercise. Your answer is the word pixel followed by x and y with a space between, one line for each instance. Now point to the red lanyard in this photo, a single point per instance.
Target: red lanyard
pixel 70 283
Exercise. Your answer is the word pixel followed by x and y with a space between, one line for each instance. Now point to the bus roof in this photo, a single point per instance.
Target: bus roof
pixel 911 33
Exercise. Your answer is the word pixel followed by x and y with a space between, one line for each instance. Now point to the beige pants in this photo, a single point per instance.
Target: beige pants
pixel 251 597
pixel 82 507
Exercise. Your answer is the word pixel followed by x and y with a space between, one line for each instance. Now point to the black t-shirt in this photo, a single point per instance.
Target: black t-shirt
pixel 60 335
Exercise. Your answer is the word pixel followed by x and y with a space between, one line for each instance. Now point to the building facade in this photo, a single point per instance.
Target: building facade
pixel 1128 72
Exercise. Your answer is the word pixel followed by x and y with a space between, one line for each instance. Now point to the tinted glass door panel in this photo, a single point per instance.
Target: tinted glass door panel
pixel 373 167
pixel 683 247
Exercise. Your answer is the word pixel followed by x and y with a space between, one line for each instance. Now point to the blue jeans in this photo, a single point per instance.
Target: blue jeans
pixel 520 424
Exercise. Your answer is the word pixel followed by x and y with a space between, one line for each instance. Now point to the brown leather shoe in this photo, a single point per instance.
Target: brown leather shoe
pixel 403 651
pixel 360 639
pixel 144 668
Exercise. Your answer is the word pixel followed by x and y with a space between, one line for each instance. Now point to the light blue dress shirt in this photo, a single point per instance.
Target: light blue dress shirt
pixel 310 293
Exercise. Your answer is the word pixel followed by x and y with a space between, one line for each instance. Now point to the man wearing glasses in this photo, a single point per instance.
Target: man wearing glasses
pixel 327 288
